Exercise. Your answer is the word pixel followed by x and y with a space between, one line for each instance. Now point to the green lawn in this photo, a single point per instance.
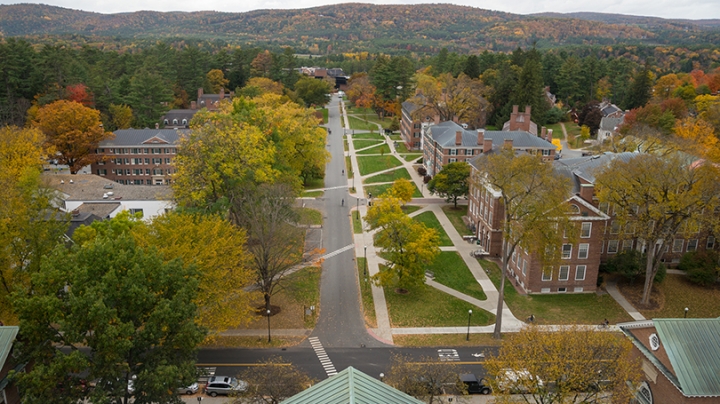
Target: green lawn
pixel 581 308
pixel 304 288
pixel 370 115
pixel 357 222
pixel 378 190
pixel 395 137
pixel 324 114
pixel 677 293
pixel 455 217
pixel 431 221
pixel 366 294
pixel 428 307
pixel 450 270
pixel 412 157
pixel 359 124
pixel 363 143
pixel 315 183
pixel 309 216
pixel 348 166
pixel 557 130
pixel 401 147
pixel 388 177
pixel 381 150
pixel 375 136
pixel 373 164
pixel 408 209
pixel 313 194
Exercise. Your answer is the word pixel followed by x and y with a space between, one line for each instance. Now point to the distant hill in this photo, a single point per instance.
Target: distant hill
pixel 361 27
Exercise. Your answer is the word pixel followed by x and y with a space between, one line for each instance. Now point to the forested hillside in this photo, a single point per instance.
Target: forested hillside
pixel 420 29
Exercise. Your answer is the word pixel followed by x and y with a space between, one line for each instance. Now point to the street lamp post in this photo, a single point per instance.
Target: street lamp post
pixel 686 310
pixel 357 202
pixel 365 266
pixel 467 337
pixel 268 315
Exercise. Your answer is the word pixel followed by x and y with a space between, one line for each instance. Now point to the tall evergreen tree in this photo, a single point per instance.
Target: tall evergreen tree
pixel 639 93
pixel 530 89
pixel 472 67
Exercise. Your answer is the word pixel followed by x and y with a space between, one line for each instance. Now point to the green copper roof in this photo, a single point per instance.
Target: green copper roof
pixel 7 337
pixel 351 386
pixel 693 347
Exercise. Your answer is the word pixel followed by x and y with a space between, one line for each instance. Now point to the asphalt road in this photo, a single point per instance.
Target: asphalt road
pixel 371 361
pixel 340 322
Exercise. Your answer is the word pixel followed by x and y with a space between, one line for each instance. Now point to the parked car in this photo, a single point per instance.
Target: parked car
pixel 224 385
pixel 519 381
pixel 473 385
pixel 191 389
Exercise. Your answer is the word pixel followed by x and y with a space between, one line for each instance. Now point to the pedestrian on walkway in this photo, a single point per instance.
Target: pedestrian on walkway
pixel 342 203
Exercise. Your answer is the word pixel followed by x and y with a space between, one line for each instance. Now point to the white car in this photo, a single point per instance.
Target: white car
pixel 191 389
pixel 519 381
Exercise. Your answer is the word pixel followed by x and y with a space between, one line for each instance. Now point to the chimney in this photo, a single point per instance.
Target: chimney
pixel 543 133
pixel 437 119
pixel 481 136
pixel 487 145
pixel 508 144
pixel 455 119
pixel 157 125
pixel 193 104
pixel 515 109
pixel 458 138
pixel 200 92
pixel 549 135
pixel 222 93
pixel 587 191
pixel 527 110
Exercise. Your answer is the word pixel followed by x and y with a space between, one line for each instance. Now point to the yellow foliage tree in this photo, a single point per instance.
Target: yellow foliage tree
pixel 121 116
pixel 217 80
pixel 573 365
pixel 402 189
pixel 698 136
pixel 217 248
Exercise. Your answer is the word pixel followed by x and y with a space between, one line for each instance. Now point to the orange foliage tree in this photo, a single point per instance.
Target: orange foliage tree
pixel 73 131
pixel 80 93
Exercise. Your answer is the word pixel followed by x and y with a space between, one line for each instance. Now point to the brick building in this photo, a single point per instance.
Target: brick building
pixel 448 142
pixel 138 156
pixel 680 359
pixel 410 127
pixel 599 237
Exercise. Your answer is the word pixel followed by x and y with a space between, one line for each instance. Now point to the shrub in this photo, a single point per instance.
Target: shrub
pixel 631 265
pixel 422 171
pixel 701 267
pixel 427 179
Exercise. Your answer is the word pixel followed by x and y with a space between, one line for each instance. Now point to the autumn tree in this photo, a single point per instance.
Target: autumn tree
pixel 360 92
pixel 80 94
pixel 26 234
pixel 217 80
pixel 262 64
pixel 133 311
pixel 590 116
pixel 73 131
pixel 425 379
pixel 272 381
pixel 121 116
pixel 533 200
pixel 654 198
pixel 698 136
pixel 448 97
pixel 451 182
pixel 408 246
pixel 313 92
pixel 258 86
pixel 402 189
pixel 217 249
pixel 275 243
pixel 572 365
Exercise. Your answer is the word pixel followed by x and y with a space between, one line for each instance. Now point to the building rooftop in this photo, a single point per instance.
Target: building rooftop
pixel 7 337
pixel 91 187
pixel 687 351
pixel 144 137
pixel 351 386
pixel 610 124
pixel 444 134
pixel 586 167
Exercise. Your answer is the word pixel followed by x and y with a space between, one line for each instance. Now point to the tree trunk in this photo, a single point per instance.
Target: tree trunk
pixel 650 270
pixel 501 295
pixel 267 302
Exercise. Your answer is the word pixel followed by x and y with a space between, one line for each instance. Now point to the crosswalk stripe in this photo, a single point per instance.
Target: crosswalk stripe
pixel 338 251
pixel 323 357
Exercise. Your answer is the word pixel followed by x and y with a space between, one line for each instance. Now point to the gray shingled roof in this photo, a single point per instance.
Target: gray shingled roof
pixel 444 134
pixel 90 187
pixel 410 107
pixel 136 137
pixel 610 124
pixel 586 167
pixel 351 386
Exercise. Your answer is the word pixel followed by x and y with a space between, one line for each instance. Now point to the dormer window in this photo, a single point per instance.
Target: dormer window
pixel 165 122
pixel 184 122
pixel 175 121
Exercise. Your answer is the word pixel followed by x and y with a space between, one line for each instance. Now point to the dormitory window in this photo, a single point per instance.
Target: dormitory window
pixel 585 230
pixel 692 245
pixel 710 243
pixel 566 251
pixel 678 245
pixel 564 272
pixel 547 274
pixel 612 246
pixel 583 251
pixel 580 273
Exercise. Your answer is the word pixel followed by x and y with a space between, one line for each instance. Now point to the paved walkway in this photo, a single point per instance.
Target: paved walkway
pixel 613 290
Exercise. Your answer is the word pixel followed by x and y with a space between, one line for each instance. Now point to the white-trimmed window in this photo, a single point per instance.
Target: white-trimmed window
pixel 514 256
pixel 583 251
pixel 547 274
pixel 585 229
pixel 692 245
pixel 524 267
pixel 545 152
pixel 614 227
pixel 627 245
pixel 564 272
pixel 566 251
pixel 580 272
pixel 452 160
pixel 545 290
pixel 604 207
pixel 578 289
pixel 710 243
pixel 612 246
pixel 136 211
pixel 562 290
pixel 453 152
pixel 468 152
pixel 678 245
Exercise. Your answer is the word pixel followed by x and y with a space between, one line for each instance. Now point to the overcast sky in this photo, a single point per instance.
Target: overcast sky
pixel 691 9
